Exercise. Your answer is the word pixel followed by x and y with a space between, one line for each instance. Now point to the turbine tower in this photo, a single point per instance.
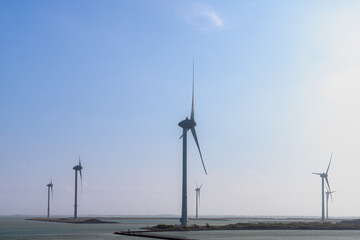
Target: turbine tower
pixel 186 125
pixel 49 186
pixel 77 168
pixel 324 177
pixel 197 190
pixel 327 202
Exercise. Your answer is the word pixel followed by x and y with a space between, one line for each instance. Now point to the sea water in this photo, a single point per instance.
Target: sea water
pixel 18 228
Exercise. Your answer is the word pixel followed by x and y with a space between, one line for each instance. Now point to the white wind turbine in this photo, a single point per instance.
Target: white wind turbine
pixel 197 190
pixel 186 125
pixel 77 168
pixel 324 177
pixel 50 188
pixel 327 202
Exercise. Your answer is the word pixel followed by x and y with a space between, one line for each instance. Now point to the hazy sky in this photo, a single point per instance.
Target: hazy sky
pixel 276 92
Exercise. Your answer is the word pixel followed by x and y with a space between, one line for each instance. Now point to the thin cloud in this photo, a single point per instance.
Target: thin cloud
pixel 203 17
pixel 214 18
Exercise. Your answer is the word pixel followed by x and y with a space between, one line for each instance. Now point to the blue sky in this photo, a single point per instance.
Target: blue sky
pixel 275 94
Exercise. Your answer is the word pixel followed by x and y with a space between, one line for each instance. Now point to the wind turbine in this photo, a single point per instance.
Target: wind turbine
pixel 197 190
pixel 49 186
pixel 327 202
pixel 324 177
pixel 77 168
pixel 186 125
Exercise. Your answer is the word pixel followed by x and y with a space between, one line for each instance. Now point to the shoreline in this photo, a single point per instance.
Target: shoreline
pixel 159 231
pixel 71 220
pixel 344 225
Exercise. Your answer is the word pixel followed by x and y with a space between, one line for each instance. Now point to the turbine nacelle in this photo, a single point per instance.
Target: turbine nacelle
pixel 197 189
pixel 187 123
pixel 78 168
pixel 322 175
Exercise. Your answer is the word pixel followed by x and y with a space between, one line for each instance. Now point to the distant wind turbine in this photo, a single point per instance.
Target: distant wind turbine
pixel 50 187
pixel 186 125
pixel 77 168
pixel 327 202
pixel 197 190
pixel 324 177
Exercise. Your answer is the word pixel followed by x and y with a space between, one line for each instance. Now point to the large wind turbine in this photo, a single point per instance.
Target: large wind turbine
pixel 49 186
pixel 327 202
pixel 324 177
pixel 186 125
pixel 77 168
pixel 197 190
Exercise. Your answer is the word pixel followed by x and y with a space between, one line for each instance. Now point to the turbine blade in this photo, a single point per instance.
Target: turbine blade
pixel 317 173
pixel 327 182
pixel 201 185
pixel 329 163
pixel 192 105
pixel 81 181
pixel 331 196
pixel 196 184
pixel 80 172
pixel 197 144
pixel 182 135
pixel 79 158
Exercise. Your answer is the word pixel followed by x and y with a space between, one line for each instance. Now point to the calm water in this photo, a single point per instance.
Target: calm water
pixel 18 228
